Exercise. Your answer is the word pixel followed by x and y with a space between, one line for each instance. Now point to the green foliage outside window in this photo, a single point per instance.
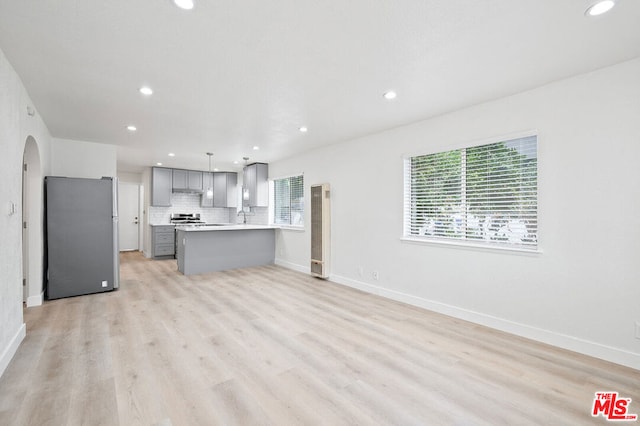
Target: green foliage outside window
pixel 289 201
pixel 485 193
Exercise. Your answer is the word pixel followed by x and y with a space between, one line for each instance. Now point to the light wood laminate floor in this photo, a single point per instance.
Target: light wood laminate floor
pixel 268 345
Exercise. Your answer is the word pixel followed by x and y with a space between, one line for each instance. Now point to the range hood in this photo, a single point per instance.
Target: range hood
pixel 188 191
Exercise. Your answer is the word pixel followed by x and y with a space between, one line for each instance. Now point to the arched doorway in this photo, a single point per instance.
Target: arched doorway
pixel 32 217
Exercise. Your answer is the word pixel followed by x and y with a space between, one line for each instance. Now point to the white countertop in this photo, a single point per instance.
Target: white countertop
pixel 239 227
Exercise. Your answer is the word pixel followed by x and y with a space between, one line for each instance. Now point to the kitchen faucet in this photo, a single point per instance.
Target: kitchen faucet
pixel 244 215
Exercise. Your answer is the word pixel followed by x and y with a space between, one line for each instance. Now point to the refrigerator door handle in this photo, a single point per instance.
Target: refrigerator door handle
pixel 116 242
pixel 114 189
pixel 116 254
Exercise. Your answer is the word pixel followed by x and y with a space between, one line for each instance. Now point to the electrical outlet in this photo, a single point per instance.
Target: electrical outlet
pixel 104 284
pixel 376 275
pixel 637 329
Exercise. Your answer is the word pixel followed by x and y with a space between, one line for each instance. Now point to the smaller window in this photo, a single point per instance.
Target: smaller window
pixel 288 202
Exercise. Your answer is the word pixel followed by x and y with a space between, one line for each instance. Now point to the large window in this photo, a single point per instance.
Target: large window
pixel 289 201
pixel 485 194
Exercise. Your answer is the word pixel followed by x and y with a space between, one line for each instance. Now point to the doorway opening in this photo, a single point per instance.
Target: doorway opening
pixel 129 216
pixel 32 217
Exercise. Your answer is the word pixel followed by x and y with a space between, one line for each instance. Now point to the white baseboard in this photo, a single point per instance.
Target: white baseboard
pixel 35 300
pixel 294 266
pixel 11 349
pixel 597 350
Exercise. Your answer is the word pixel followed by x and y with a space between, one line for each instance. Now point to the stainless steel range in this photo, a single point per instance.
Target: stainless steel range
pixel 184 219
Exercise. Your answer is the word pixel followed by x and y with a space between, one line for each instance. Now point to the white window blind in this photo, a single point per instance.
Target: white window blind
pixel 485 194
pixel 289 201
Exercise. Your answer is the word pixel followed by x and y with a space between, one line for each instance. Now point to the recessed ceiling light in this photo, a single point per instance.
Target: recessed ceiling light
pixel 132 128
pixel 390 95
pixel 171 154
pixel 158 164
pixel 235 162
pixel 600 7
pixel 145 90
pixel 184 4
pixel 303 129
pixel 255 148
pixel 215 169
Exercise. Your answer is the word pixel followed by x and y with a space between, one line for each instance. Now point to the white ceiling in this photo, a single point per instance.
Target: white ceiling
pixel 231 74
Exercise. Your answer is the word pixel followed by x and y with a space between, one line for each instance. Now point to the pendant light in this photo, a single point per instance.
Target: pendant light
pixel 210 189
pixel 245 190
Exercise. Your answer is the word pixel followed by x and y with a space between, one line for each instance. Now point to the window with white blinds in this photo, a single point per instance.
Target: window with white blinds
pixel 487 195
pixel 288 203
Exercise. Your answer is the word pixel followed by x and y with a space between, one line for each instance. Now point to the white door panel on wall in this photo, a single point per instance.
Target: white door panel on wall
pixel 129 219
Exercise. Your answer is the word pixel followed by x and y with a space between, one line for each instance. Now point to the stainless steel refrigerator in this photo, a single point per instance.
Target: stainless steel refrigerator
pixel 81 236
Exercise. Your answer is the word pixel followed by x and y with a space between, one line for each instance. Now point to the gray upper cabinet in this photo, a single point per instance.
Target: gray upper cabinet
pixel 248 182
pixel 195 181
pixel 161 186
pixel 225 192
pixel 187 181
pixel 179 180
pixel 255 185
pixel 207 182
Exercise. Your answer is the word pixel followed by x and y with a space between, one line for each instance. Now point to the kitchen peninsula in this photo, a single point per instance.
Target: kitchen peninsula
pixel 210 248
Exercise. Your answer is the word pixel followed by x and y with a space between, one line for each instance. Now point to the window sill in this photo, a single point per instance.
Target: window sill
pixel 291 228
pixel 471 246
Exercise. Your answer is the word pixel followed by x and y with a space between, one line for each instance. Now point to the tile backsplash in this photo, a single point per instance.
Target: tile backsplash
pixel 190 203
pixel 257 216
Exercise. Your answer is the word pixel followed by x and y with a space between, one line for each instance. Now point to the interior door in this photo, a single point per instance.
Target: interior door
pixel 128 216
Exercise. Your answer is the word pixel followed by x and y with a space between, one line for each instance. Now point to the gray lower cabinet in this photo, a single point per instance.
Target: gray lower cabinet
pixel 210 250
pixel 163 241
pixel 161 186
pixel 225 189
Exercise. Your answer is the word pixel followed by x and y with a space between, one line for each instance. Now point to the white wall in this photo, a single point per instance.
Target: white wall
pixel 130 177
pixel 15 127
pixel 83 159
pixel 582 292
